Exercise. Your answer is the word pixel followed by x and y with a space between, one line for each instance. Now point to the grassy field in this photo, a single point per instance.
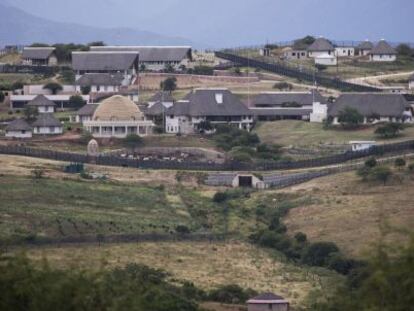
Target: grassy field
pixel 350 212
pixel 307 134
pixel 207 265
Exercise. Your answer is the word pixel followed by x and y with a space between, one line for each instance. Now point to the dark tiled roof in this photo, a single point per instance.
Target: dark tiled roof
pixel 280 112
pixel 278 99
pixel 156 109
pixel 46 119
pixel 37 52
pixel 151 53
pixel 162 96
pixel 383 48
pixel 366 45
pixel 203 103
pixel 369 104
pixel 268 296
pixel 87 110
pixel 321 44
pixel 41 100
pixel 18 125
pixel 104 61
pixel 90 79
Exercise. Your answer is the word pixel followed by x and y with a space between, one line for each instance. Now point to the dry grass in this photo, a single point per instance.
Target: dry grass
pixel 350 212
pixel 206 265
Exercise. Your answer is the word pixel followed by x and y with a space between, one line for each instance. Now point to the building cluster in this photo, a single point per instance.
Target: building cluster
pixel 324 52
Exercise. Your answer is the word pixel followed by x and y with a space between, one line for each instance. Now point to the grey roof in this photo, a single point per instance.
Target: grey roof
pixel 268 296
pixel 46 119
pixel 280 112
pixel 151 53
pixel 87 110
pixel 383 48
pixel 369 104
pixel 18 125
pixel 156 109
pixel 37 52
pixel 202 102
pixel 41 100
pixel 104 61
pixel 90 79
pixel 278 99
pixel 321 44
pixel 411 78
pixel 162 97
pixel 366 45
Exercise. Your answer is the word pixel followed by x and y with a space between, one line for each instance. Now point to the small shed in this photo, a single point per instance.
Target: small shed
pixel 268 302
pixel 19 128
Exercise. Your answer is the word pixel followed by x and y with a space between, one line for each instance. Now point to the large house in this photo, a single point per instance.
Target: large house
pixel 321 46
pixel 19 128
pixel 365 48
pixel 118 117
pixel 383 52
pixel 374 107
pixel 268 302
pixel 99 83
pixel 39 56
pixel 61 101
pixel 47 124
pixel 216 106
pixel 154 58
pixel 123 63
pixel 285 105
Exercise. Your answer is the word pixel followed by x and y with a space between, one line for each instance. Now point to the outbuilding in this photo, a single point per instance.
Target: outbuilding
pixel 321 46
pixel 47 124
pixel 268 302
pixel 39 56
pixel 42 104
pixel 18 128
pixel 364 48
pixel 383 52
pixel 99 82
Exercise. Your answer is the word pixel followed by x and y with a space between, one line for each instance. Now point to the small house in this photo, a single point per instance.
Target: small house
pixel 345 51
pixel 321 46
pixel 292 53
pixel 364 48
pixel 47 124
pixel 42 104
pixel 99 82
pixel 326 60
pixel 19 128
pixel 39 56
pixel 268 302
pixel 163 97
pixel 383 52
pixel 84 114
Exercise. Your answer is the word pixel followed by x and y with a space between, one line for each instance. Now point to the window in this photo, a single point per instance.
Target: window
pixel 52 129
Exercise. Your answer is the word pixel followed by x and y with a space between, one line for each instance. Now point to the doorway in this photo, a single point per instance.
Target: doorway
pixel 246 181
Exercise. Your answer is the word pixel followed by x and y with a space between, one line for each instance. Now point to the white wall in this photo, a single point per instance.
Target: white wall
pixel 46 109
pixel 37 89
pixel 327 61
pixel 19 134
pixel 383 58
pixel 345 51
pixel 319 53
pixel 411 85
pixel 48 130
pixel 178 124
pixel 295 54
pixel 319 113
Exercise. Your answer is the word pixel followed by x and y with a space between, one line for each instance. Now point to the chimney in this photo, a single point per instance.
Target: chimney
pixel 219 98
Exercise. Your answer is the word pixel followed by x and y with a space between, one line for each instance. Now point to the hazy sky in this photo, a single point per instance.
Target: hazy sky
pixel 238 22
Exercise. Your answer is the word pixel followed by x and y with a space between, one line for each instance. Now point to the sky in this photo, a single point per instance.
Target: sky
pixel 239 22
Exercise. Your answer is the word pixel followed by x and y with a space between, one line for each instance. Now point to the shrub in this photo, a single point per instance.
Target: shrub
pixel 371 162
pixel 364 173
pixel 382 174
pixel 53 87
pixel 133 141
pixel 350 117
pixel 169 84
pixel 182 229
pixel 283 86
pixel 231 294
pixel 389 130
pixel 85 138
pixel 38 173
pixel 301 237
pixel 400 162
pixel 220 197
pixel 318 254
pixel 411 167
pixel 2 97
pixel 76 101
pixel 85 90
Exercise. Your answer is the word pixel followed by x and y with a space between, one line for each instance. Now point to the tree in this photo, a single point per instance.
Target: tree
pixel 17 85
pixel 350 117
pixel 301 237
pixel 142 67
pixel 85 90
pixel 96 43
pixel 404 50
pixel 283 86
pixel 390 130
pixel 30 113
pixel 400 163
pixel 205 126
pixel 76 101
pixel 318 254
pixel 169 84
pixel 133 141
pixel 371 162
pixel 68 76
pixel 53 87
pixel 220 197
pixel 381 173
pixel 2 97
pixel 169 68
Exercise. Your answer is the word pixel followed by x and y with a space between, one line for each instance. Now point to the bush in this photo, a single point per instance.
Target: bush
pixel 371 162
pixel 2 97
pixel 38 173
pixel 400 162
pixel 301 237
pixel 382 174
pixel 133 141
pixel 318 254
pixel 182 229
pixel 53 87
pixel 283 86
pixel 76 101
pixel 231 294
pixel 169 84
pixel 85 90
pixel 389 130
pixel 85 138
pixel 350 117
pixel 220 197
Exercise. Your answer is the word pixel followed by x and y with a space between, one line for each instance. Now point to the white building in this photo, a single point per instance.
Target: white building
pixel 364 48
pixel 61 101
pixel 99 83
pixel 38 89
pixel 411 82
pixel 18 128
pixel 47 124
pixel 326 60
pixel 118 117
pixel 362 145
pixel 215 106
pixel 292 53
pixel 42 104
pixel 345 51
pixel 267 302
pixel 84 114
pixel 321 46
pixel 39 56
pixel 383 52
pixel 319 112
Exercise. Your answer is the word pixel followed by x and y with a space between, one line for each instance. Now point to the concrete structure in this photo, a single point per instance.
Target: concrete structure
pixel 19 128
pixel 47 124
pixel 42 104
pixel 93 148
pixel 99 82
pixel 215 106
pixel 155 58
pixel 383 52
pixel 267 302
pixel 362 145
pixel 61 101
pixel 321 46
pixel 319 112
pixel 272 106
pixel 234 180
pixel 326 60
pixel 292 53
pixel 345 51
pixel 374 107
pixel 39 56
pixel 364 48
pixel 118 117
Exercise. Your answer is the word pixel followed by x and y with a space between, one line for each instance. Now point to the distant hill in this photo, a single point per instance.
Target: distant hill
pixel 19 27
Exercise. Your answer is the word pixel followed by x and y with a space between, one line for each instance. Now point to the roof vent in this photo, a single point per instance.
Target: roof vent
pixel 219 98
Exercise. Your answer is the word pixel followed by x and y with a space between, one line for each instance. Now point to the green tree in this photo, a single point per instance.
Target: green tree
pixel 53 87
pixel 404 50
pixel 85 90
pixel 17 85
pixel 400 163
pixel 382 174
pixel 30 113
pixel 350 117
pixel 390 130
pixel 76 101
pixel 133 141
pixel 169 84
pixel 318 254
pixel 371 162
pixel 68 76
pixel 2 97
